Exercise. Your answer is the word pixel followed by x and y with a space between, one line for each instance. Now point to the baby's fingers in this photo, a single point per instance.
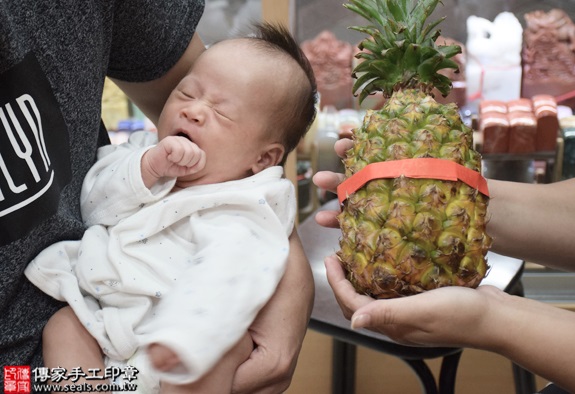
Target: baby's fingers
pixel 197 160
pixel 184 153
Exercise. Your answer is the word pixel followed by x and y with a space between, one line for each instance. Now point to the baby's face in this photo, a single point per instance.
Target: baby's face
pixel 224 105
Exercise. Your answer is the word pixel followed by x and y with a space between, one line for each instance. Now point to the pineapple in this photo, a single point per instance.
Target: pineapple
pixel 406 235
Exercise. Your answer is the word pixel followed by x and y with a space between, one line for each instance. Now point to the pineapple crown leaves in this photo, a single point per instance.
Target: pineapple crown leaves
pixel 400 52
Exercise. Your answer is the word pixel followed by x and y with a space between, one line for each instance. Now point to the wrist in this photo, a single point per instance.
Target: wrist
pixel 149 176
pixel 498 321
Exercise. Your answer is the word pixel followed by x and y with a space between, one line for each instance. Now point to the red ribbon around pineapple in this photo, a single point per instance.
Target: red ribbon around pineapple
pixel 422 168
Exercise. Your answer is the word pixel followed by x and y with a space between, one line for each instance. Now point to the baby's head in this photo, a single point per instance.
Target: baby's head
pixel 246 102
pixel 295 111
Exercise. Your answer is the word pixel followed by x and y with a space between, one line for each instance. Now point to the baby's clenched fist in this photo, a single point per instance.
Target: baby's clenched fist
pixel 172 157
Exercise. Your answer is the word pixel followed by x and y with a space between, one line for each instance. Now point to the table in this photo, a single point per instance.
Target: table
pixel 327 318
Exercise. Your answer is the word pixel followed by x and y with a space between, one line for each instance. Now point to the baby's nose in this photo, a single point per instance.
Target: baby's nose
pixel 195 112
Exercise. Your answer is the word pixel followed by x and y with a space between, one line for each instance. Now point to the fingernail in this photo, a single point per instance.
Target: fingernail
pixel 359 321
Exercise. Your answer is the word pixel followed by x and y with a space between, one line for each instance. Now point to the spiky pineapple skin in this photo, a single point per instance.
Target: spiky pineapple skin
pixel 404 236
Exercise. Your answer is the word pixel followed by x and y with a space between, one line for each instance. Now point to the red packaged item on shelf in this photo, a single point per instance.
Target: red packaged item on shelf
pixel 545 109
pixel 495 129
pixel 520 105
pixel 487 106
pixel 522 132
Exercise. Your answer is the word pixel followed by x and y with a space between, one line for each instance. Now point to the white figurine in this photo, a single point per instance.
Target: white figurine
pixel 493 69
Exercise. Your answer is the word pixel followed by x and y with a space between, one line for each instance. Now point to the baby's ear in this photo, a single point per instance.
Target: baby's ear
pixel 272 155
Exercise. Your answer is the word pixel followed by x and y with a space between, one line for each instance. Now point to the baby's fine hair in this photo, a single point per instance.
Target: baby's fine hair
pixel 293 120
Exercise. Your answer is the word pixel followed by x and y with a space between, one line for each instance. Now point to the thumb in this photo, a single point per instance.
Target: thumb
pixel 388 317
pixel 379 314
pixel 360 320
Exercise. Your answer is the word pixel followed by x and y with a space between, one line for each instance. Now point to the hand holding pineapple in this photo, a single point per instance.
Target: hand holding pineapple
pixel 532 334
pixel 418 320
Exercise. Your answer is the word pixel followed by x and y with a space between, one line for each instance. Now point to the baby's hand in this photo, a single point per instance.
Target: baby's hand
pixel 182 155
pixel 172 157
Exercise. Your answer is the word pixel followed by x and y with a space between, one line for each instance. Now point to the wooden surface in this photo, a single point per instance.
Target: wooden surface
pixel 276 11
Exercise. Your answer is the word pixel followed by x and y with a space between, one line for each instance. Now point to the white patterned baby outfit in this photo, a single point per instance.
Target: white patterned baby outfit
pixel 188 269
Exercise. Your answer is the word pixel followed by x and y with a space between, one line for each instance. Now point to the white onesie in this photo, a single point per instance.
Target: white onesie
pixel 189 269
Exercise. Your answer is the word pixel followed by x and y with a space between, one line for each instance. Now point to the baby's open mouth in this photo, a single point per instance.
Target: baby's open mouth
pixel 183 135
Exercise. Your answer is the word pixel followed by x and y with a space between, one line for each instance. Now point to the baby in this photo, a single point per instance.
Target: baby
pixel 188 228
